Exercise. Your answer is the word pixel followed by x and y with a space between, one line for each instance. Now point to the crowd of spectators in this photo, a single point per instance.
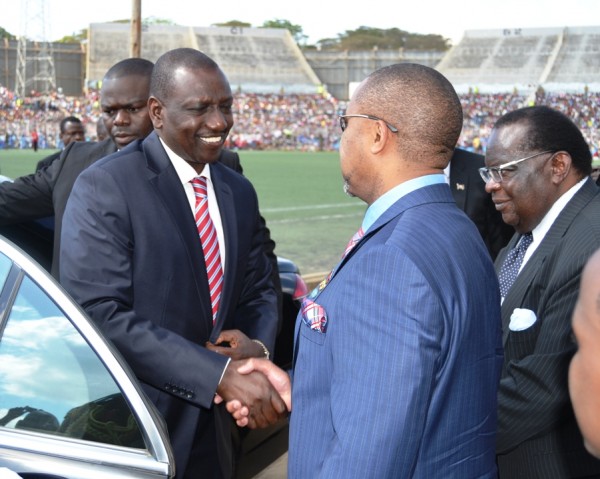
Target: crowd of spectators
pixel 301 122
pixel 482 110
pixel 21 116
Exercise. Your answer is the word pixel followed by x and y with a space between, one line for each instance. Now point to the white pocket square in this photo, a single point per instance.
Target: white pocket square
pixel 521 319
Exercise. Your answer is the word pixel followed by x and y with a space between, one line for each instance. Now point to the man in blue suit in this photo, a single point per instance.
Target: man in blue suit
pixel 398 352
pixel 131 255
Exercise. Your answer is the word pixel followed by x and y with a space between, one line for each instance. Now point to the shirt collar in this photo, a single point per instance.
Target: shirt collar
pixel 386 200
pixel 184 170
pixel 539 232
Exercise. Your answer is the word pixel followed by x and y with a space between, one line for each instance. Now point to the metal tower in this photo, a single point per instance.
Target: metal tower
pixel 35 59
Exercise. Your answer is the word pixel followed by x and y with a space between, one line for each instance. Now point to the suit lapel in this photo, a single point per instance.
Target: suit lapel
pixel 165 181
pixel 427 194
pixel 230 232
pixel 518 291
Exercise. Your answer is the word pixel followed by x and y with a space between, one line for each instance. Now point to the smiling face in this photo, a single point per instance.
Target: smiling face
pixel 526 192
pixel 195 117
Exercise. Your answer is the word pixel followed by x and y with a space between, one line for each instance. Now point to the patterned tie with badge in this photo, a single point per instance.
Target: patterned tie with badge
pixel 314 314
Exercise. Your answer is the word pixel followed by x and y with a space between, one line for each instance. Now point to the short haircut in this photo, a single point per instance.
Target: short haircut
pixel 128 67
pixel 549 129
pixel 162 75
pixel 68 119
pixel 421 103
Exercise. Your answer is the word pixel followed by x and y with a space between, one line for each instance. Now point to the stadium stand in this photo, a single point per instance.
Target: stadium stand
pixel 578 60
pixel 283 99
pixel 254 59
pixel 524 59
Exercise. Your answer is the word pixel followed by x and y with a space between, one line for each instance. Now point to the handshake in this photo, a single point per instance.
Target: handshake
pixel 266 398
pixel 257 393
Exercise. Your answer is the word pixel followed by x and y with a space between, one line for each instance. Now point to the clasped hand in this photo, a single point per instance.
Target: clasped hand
pixel 257 393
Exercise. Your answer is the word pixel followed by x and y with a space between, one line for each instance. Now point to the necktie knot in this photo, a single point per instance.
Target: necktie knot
pixel 512 263
pixel 352 243
pixel 200 188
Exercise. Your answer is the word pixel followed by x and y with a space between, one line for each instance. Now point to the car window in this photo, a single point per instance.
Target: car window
pixel 5 265
pixel 52 381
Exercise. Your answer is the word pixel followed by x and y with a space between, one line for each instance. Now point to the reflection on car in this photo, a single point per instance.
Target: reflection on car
pixel 69 404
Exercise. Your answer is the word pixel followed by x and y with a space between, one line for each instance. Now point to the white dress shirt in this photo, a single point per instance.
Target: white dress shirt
pixel 186 174
pixel 539 232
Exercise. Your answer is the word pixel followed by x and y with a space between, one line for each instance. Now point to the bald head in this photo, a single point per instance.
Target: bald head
pixel 188 58
pixel 123 99
pixel 421 103
pixel 129 67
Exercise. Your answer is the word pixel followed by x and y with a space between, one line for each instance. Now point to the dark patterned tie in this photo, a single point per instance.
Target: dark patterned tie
pixel 512 263
pixel 210 243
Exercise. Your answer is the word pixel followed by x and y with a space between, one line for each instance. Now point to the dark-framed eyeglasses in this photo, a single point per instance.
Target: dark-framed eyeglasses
pixel 344 123
pixel 494 173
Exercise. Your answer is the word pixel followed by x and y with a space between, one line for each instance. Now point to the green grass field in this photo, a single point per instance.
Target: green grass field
pixel 300 196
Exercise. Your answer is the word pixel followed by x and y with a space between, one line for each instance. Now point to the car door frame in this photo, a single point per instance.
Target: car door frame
pixel 21 450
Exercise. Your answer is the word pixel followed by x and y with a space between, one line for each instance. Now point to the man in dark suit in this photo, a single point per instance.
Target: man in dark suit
pixel 124 95
pixel 71 129
pixel 123 99
pixel 469 193
pixel 537 171
pixel 132 257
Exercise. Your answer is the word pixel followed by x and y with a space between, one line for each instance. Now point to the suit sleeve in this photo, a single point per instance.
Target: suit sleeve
pixel 29 197
pixel 256 312
pixel 533 396
pixel 232 160
pixel 97 269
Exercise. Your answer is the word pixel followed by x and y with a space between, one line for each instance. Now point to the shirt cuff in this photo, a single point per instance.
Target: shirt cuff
pixel 224 369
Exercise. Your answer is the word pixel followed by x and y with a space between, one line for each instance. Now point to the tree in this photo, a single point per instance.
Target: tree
pixel 4 34
pixel 367 38
pixel 233 23
pixel 75 37
pixel 295 30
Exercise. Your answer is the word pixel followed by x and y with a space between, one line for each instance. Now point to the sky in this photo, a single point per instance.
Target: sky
pixel 319 18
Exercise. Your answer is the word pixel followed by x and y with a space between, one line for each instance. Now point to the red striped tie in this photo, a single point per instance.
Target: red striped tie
pixel 210 243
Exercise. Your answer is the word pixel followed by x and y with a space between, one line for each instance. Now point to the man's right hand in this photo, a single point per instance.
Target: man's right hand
pixel 254 391
pixel 278 378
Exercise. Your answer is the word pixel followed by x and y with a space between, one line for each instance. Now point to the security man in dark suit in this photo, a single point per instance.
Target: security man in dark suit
pixel 469 193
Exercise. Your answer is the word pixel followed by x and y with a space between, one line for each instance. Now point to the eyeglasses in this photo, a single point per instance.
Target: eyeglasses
pixel 344 123
pixel 494 173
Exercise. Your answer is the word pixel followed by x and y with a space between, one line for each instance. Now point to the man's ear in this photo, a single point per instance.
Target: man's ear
pixel 380 137
pixel 155 108
pixel 561 166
